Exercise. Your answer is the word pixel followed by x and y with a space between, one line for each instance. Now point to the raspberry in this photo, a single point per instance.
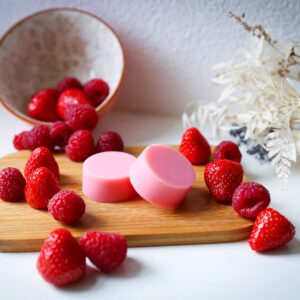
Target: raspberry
pixel 228 150
pixel 195 147
pixel 249 199
pixel 41 185
pixel 222 177
pixel 97 90
pixel 105 250
pixel 42 106
pixel 60 133
pixel 12 184
pixel 39 136
pixel 68 83
pixel 21 140
pixel 110 141
pixel 270 230
pixel 71 97
pixel 81 116
pixel 66 206
pixel 41 157
pixel 61 260
pixel 80 145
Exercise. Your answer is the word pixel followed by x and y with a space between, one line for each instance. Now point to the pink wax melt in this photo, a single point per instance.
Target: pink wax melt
pixel 105 177
pixel 162 175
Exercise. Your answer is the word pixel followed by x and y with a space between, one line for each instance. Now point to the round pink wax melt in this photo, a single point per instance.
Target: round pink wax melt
pixel 162 175
pixel 105 177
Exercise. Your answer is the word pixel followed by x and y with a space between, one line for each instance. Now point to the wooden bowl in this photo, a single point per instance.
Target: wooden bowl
pixel 44 47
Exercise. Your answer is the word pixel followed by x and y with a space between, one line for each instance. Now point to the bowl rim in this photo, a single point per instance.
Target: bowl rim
pixel 106 102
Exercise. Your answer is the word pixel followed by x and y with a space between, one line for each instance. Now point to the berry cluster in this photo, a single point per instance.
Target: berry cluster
pixel 42 188
pixel 224 177
pixel 75 105
pixel 62 259
pixel 50 105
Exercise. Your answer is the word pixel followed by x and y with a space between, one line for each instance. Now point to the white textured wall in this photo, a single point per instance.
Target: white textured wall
pixel 171 45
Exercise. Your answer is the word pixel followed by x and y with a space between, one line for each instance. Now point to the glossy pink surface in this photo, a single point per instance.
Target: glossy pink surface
pixel 105 177
pixel 162 175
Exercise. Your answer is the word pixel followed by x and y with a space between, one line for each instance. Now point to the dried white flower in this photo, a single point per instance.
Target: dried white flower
pixel 258 96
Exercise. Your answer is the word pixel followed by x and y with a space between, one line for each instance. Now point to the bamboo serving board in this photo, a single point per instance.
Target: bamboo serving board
pixel 200 219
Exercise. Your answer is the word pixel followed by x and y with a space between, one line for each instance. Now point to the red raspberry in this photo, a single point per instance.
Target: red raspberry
pixel 60 133
pixel 249 199
pixel 222 177
pixel 66 206
pixel 12 184
pixel 41 185
pixel 43 105
pixel 110 141
pixel 228 150
pixel 270 230
pixel 61 260
pixel 70 97
pixel 21 141
pixel 80 145
pixel 81 116
pixel 97 90
pixel 41 157
pixel 68 83
pixel 39 136
pixel 105 250
pixel 195 147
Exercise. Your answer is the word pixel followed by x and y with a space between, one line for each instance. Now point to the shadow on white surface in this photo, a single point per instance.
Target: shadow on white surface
pixel 130 268
pixel 291 248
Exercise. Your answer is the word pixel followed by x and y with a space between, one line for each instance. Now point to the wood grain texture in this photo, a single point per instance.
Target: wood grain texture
pixel 200 219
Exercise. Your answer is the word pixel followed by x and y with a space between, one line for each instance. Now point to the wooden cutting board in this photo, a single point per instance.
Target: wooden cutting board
pixel 200 219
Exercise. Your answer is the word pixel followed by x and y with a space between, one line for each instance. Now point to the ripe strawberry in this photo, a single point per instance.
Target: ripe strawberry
pixel 66 206
pixel 97 90
pixel 68 83
pixel 41 185
pixel 222 177
pixel 80 145
pixel 228 150
pixel 195 147
pixel 12 184
pixel 270 230
pixel 41 157
pixel 43 105
pixel 60 133
pixel 71 97
pixel 110 141
pixel 105 250
pixel 81 116
pixel 249 199
pixel 61 260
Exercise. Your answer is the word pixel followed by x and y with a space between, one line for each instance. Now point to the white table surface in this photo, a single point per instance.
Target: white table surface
pixel 212 271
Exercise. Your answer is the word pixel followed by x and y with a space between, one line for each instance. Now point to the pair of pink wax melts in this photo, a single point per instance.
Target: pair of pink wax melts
pixel 160 175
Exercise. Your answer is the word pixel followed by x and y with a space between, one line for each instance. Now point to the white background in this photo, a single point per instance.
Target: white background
pixel 170 48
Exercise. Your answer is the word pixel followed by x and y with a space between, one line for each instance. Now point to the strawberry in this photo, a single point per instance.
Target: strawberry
pixel 195 147
pixel 71 97
pixel 61 260
pixel 41 157
pixel 270 230
pixel 41 185
pixel 222 177
pixel 43 105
